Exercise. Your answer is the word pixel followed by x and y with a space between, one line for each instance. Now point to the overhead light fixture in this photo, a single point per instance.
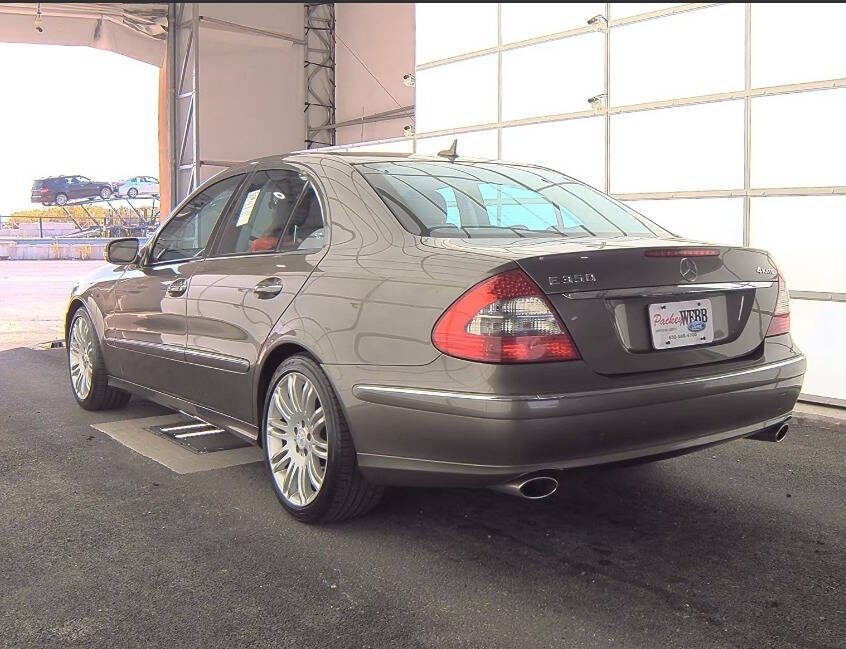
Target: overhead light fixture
pixel 38 26
pixel 408 130
pixel 599 21
pixel 598 102
pixel 408 80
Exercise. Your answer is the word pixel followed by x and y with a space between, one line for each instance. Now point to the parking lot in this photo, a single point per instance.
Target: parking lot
pixel 741 545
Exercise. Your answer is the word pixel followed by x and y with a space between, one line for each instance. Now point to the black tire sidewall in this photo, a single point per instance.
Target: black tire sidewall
pixel 318 507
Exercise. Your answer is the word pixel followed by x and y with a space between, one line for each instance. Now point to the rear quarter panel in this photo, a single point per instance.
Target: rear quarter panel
pixel 376 295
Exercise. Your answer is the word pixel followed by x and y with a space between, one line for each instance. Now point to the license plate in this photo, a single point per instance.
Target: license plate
pixel 679 324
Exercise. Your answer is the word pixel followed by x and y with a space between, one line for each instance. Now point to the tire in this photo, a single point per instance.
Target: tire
pixel 132 193
pixel 98 395
pixel 105 193
pixel 343 493
pixel 61 198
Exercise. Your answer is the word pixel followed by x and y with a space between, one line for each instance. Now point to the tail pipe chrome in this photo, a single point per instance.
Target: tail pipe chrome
pixel 533 488
pixel 773 433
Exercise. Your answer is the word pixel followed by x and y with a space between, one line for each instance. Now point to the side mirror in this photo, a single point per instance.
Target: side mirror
pixel 122 251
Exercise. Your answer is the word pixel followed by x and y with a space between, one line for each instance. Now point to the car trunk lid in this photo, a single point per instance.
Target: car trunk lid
pixel 604 293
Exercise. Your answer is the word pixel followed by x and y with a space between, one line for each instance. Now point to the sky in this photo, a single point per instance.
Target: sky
pixel 73 110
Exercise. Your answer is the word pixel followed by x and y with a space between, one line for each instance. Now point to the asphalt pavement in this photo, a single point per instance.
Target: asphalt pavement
pixel 741 545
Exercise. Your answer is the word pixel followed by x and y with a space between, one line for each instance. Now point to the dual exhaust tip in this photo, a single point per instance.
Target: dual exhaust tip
pixel 543 486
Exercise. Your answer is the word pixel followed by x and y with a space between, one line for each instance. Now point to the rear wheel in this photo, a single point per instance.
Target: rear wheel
pixel 105 193
pixel 308 449
pixel 132 193
pixel 89 381
pixel 61 198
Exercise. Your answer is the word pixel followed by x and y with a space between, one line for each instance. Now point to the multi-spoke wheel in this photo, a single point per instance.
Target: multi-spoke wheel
pixel 296 439
pixel 89 381
pixel 308 449
pixel 81 357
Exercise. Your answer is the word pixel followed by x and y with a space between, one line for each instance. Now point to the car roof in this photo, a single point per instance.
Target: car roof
pixel 350 157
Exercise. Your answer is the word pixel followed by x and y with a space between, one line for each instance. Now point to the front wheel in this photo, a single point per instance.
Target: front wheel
pixel 89 381
pixel 105 193
pixel 308 449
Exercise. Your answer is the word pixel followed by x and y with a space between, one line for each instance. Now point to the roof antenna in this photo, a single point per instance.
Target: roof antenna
pixel 450 153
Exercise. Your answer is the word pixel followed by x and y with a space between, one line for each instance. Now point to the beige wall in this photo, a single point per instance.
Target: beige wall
pixel 382 36
pixel 251 87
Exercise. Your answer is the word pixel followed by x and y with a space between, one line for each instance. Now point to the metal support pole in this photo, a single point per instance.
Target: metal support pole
pixel 607 97
pixel 172 102
pixel 499 81
pixel 195 100
pixel 319 77
pixel 40 227
pixel 747 125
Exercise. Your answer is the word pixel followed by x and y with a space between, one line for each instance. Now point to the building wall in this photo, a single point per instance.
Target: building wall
pixel 251 87
pixel 686 86
pixel 379 38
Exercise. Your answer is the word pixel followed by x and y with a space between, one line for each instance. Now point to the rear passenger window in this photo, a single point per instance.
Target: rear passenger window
pixel 278 212
pixel 305 230
pixel 258 220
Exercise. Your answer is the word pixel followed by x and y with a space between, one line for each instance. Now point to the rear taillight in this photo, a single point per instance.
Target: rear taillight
pixel 504 319
pixel 780 324
pixel 43 190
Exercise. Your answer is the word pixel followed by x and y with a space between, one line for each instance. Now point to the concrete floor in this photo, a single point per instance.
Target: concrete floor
pixel 35 294
pixel 742 545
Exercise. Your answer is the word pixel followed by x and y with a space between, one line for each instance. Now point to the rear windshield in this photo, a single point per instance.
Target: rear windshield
pixel 444 199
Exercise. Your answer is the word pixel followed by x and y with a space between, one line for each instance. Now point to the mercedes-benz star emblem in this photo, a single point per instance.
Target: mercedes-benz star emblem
pixel 688 270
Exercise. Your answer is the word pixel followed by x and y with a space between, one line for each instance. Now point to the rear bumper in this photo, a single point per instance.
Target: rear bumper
pixel 423 436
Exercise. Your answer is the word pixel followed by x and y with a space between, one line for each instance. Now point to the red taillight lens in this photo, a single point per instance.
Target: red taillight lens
pixel 780 324
pixel 683 252
pixel 504 319
pixel 43 190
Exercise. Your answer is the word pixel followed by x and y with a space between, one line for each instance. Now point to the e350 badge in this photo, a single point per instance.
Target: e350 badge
pixel 578 278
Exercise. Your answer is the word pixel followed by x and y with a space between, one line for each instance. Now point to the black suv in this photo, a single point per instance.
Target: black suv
pixel 61 189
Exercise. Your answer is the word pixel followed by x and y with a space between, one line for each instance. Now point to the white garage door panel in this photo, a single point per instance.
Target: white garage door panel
pixel 676 56
pixel 478 144
pixel 818 329
pixel 552 78
pixel 798 140
pixel 575 147
pixel 797 42
pixel 457 94
pixel 524 20
pixel 715 220
pixel 678 149
pixel 444 29
pixel 806 235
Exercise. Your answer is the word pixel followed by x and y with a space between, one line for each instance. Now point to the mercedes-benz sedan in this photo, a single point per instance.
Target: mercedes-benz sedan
pixel 374 320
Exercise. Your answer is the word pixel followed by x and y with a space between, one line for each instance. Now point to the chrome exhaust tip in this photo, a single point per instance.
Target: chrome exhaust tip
pixel 534 488
pixel 772 434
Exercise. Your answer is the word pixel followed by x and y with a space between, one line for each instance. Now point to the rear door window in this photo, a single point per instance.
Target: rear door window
pixel 258 221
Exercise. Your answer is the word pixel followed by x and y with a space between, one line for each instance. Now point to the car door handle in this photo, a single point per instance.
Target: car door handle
pixel 267 288
pixel 177 287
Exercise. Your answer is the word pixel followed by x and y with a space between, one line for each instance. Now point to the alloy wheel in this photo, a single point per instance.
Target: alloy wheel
pixel 297 439
pixel 81 356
